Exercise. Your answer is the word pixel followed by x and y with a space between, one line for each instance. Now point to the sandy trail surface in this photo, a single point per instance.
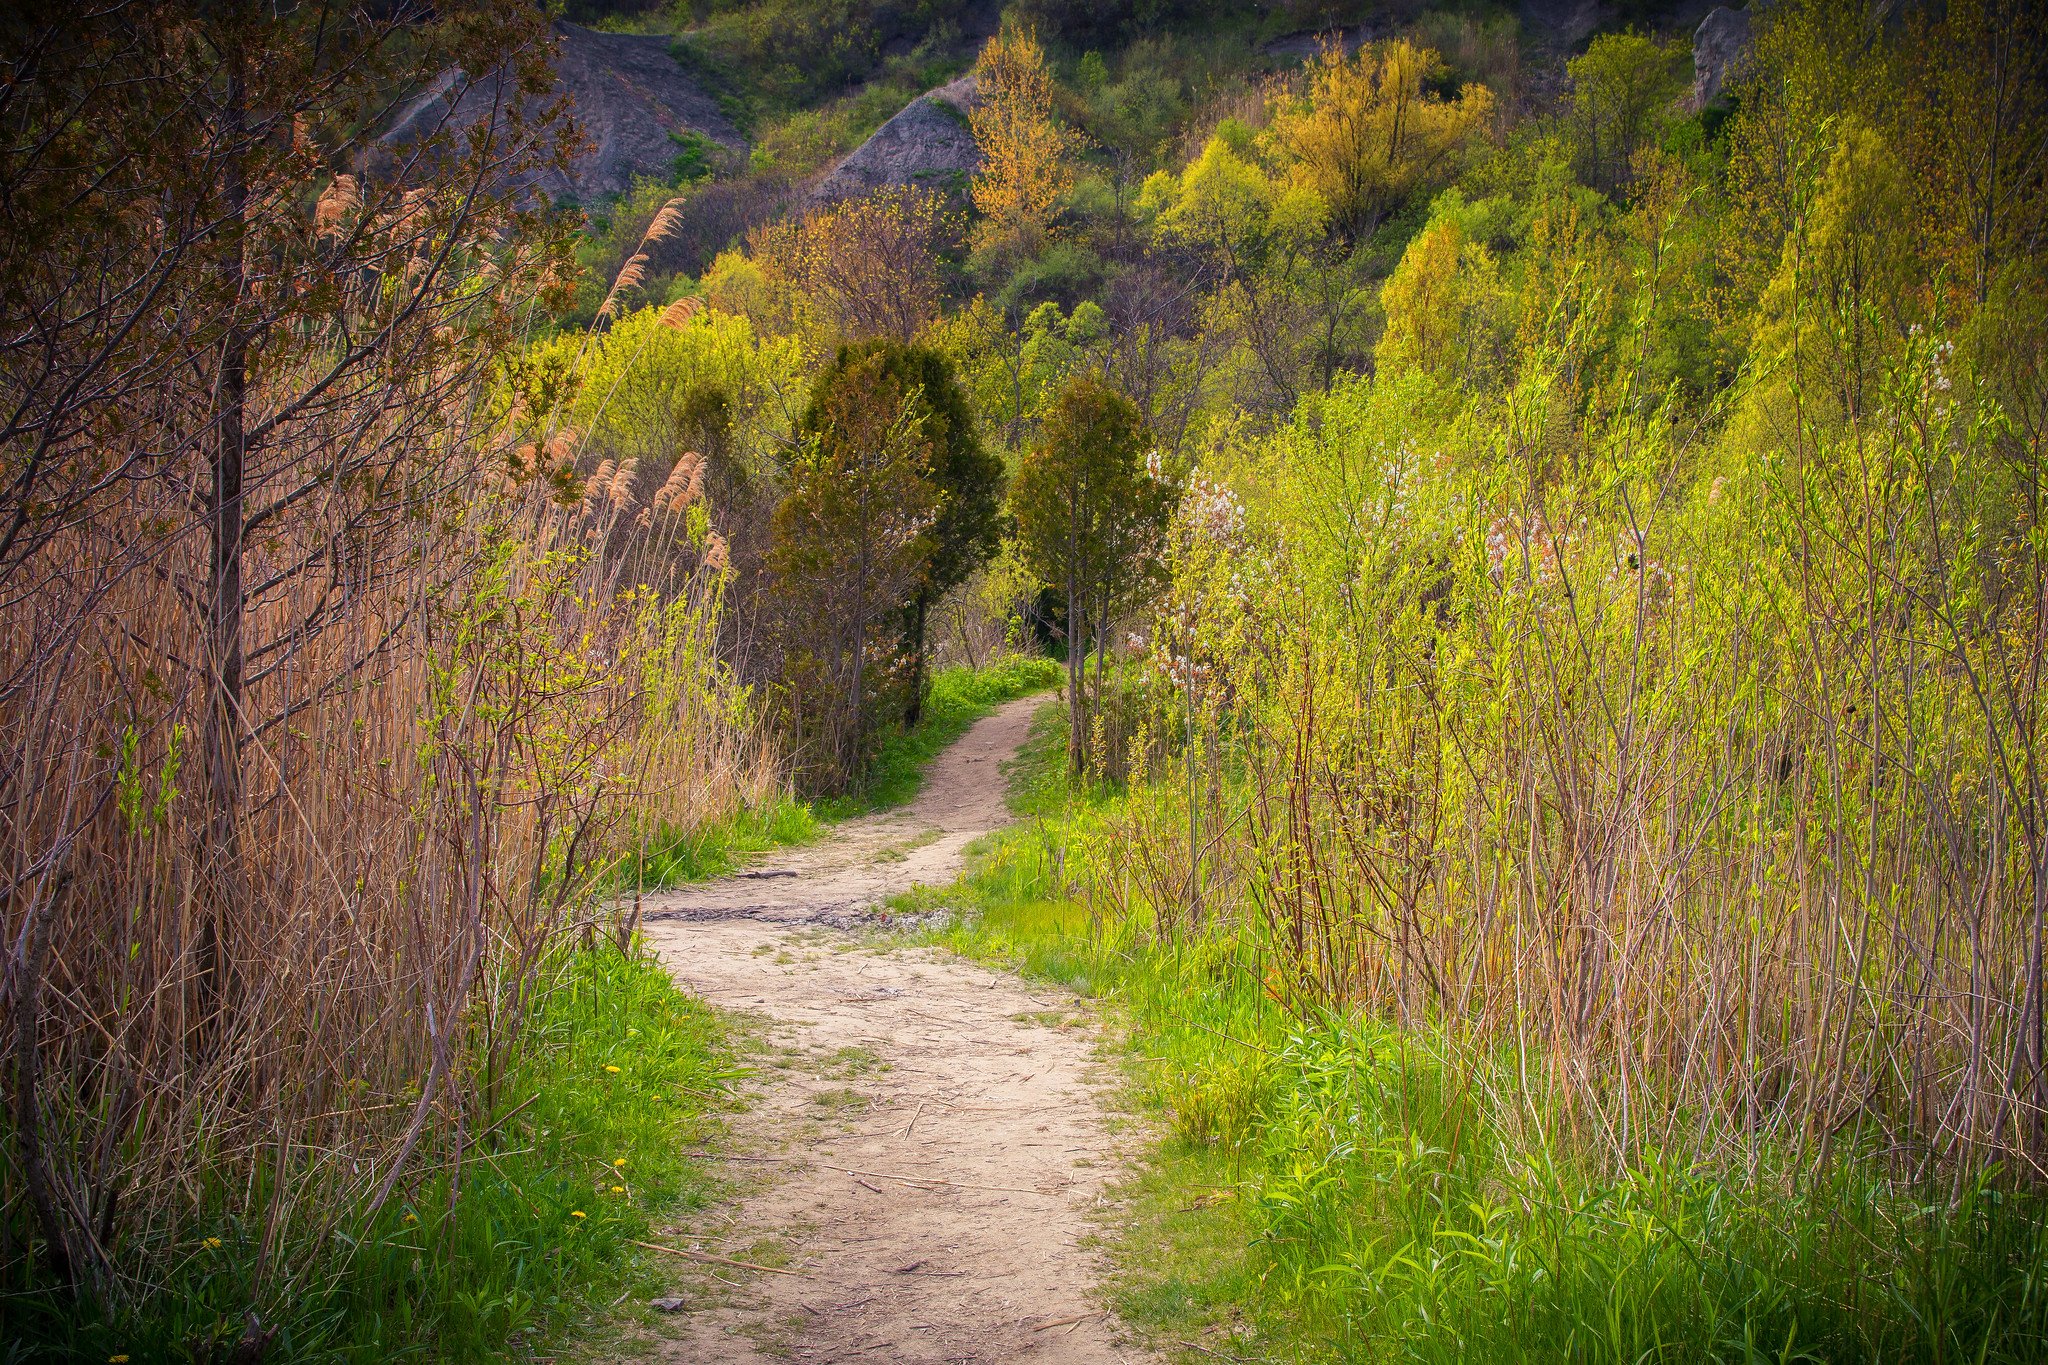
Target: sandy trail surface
pixel 927 1143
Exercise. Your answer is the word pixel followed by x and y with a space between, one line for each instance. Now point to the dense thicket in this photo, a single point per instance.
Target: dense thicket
pixel 1637 668
pixel 1607 584
pixel 328 678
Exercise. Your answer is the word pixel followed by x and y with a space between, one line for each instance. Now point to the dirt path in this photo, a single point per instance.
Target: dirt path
pixel 929 1143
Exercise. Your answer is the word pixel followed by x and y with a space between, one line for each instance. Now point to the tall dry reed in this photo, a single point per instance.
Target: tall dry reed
pixel 324 704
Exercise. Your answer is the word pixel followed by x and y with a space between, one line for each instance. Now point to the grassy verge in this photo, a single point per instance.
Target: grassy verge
pixel 621 1080
pixel 1339 1189
pixel 585 1148
pixel 959 697
pixel 674 858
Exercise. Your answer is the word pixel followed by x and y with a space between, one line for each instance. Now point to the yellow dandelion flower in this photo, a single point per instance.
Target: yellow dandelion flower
pixel 618 1189
pixel 576 1213
pixel 412 1218
pixel 121 1359
pixel 619 1161
pixel 213 1242
pixel 614 1070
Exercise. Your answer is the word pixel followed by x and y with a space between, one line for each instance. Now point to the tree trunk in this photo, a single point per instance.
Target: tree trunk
pixel 1100 622
pixel 2031 1022
pixel 919 611
pixel 30 964
pixel 221 739
pixel 1077 714
pixel 852 761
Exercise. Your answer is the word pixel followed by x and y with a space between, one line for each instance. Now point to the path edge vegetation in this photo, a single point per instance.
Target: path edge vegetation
pixel 586 1149
pixel 1584 849
pixel 1342 1188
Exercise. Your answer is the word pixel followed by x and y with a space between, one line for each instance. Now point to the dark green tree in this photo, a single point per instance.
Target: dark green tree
pixel 849 545
pixel 1091 507
pixel 966 479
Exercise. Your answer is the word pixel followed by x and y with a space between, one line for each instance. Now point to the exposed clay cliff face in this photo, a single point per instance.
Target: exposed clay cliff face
pixel 625 93
pixel 1720 47
pixel 926 143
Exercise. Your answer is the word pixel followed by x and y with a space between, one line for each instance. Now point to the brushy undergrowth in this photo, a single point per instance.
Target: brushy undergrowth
pixel 585 1148
pixel 621 1077
pixel 1340 1189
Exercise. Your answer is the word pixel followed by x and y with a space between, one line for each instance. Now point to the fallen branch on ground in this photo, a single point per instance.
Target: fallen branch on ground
pixel 713 1260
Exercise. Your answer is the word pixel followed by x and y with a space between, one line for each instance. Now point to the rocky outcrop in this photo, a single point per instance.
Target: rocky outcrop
pixel 927 143
pixel 1306 44
pixel 1720 50
pixel 626 94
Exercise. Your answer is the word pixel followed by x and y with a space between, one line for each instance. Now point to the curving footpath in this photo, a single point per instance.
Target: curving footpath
pixel 928 1149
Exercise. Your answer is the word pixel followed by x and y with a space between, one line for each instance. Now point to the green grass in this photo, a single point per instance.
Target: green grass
pixel 621 1077
pixel 1339 1189
pixel 675 858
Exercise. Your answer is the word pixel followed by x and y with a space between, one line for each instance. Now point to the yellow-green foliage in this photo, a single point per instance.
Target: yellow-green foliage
pixel 633 383
pixel 1442 306
pixel 1365 134
pixel 1226 203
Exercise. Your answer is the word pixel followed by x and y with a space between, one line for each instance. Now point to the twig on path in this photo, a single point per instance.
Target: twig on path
pixel 913 1120
pixel 1220 1355
pixel 1067 1322
pixel 956 1184
pixel 916 1268
pixel 713 1260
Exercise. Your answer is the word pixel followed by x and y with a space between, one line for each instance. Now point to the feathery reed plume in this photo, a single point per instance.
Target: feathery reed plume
pixel 681 311
pixel 630 276
pixel 634 272
pixel 337 204
pixel 562 447
pixel 621 487
pixel 665 223
pixel 683 486
pixel 599 488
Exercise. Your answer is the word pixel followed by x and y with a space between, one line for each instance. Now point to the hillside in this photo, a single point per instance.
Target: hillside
pixel 635 107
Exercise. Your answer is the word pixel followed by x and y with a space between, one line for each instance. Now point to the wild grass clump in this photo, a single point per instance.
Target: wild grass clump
pixel 581 1150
